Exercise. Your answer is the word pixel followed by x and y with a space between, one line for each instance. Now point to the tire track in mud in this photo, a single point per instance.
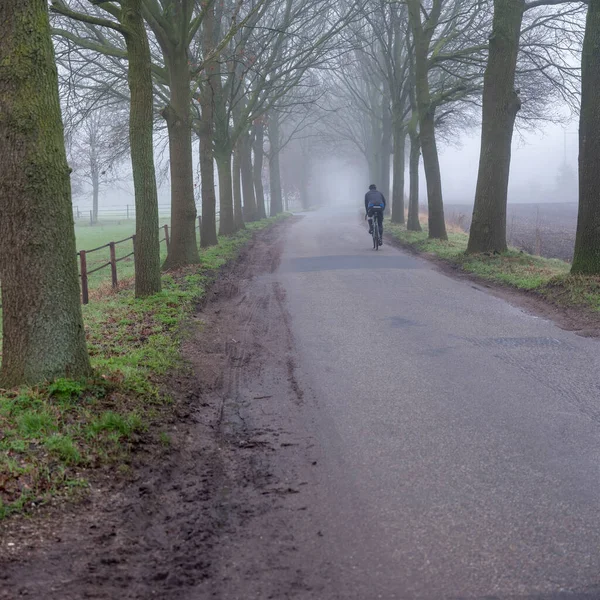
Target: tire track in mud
pixel 186 527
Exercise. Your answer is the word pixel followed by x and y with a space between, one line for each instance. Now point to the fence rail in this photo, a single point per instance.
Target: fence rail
pixel 113 261
pixel 121 212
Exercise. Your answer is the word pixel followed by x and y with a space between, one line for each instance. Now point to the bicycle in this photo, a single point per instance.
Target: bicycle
pixel 377 241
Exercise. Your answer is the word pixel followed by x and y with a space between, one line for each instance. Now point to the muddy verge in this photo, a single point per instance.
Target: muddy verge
pixel 579 319
pixel 185 526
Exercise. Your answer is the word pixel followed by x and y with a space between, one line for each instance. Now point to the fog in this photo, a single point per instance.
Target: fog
pixel 536 161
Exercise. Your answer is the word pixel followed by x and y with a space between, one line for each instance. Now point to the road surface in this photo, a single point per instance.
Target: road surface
pixel 356 426
pixel 459 438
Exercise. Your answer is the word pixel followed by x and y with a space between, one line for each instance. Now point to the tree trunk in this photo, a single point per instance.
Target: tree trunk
pixel 245 150
pixel 305 174
pixel 95 194
pixel 259 159
pixel 226 218
pixel 274 167
pixel 437 225
pixel 147 241
pixel 413 223
pixel 426 111
pixel 500 107
pixel 399 166
pixel 587 244
pixel 43 335
pixel 208 234
pixel 275 184
pixel 238 212
pixel 183 249
pixel 386 153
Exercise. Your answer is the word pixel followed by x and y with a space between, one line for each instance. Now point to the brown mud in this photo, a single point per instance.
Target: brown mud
pixel 186 526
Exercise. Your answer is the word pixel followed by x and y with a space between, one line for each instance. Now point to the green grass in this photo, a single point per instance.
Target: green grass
pixel 89 237
pixel 548 277
pixel 51 436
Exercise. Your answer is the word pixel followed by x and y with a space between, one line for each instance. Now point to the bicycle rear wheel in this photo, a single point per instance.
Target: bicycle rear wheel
pixel 375 234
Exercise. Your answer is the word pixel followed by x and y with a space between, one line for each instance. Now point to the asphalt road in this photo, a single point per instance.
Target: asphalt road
pixel 458 437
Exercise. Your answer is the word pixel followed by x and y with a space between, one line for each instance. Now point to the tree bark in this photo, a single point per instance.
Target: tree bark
pixel 43 335
pixel 226 215
pixel 208 233
pixel 183 249
pixel 274 166
pixel 586 259
pixel 245 150
pixel 399 167
pixel 238 214
pixel 259 159
pixel 95 193
pixel 413 223
pixel 147 241
pixel 500 107
pixel 386 151
pixel 305 174
pixel 426 112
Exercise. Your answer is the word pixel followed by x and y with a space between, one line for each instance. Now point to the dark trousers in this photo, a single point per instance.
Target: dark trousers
pixel 378 214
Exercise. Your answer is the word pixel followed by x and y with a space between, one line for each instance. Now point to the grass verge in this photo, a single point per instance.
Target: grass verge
pixel 52 435
pixel 548 277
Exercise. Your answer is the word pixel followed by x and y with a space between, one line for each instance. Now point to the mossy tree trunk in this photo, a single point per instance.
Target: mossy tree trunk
pixel 259 161
pixel 226 214
pixel 413 223
pixel 237 191
pixel 274 166
pixel 399 167
pixel 147 241
pixel 500 107
pixel 183 249
pixel 43 335
pixel 208 234
pixel 244 147
pixel 422 35
pixel 386 150
pixel 586 259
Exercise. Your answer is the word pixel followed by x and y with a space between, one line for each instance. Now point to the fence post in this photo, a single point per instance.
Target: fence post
pixel 199 223
pixel 84 278
pixel 91 217
pixel 167 239
pixel 128 211
pixel 113 266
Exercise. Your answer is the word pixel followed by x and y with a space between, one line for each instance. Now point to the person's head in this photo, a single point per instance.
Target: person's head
pixel 372 187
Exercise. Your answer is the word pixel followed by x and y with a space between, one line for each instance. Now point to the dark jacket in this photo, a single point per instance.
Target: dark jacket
pixel 374 198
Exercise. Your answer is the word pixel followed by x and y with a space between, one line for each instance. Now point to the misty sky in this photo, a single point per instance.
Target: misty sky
pixel 536 159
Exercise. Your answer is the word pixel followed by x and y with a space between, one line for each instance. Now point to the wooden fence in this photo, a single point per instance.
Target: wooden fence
pixel 113 260
pixel 115 213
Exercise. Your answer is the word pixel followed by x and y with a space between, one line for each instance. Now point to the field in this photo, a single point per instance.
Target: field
pixel 89 237
pixel 541 229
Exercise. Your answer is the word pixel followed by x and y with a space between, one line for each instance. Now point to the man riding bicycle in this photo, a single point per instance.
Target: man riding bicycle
pixel 374 207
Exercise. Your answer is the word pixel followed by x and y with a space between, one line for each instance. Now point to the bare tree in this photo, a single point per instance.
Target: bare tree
pixel 126 21
pixel 501 104
pixel 42 324
pixel 586 259
pixel 96 150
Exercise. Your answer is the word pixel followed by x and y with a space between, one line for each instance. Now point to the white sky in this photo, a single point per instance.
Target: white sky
pixel 535 161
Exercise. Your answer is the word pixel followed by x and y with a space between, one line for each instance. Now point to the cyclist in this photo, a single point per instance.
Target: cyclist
pixel 374 207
